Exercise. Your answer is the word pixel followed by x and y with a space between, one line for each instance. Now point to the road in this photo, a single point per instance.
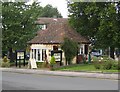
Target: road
pixel 19 81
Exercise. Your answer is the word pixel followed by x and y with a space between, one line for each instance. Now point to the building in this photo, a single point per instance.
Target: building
pixel 53 32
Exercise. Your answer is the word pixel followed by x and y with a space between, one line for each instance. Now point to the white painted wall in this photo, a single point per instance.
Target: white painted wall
pixel 49 48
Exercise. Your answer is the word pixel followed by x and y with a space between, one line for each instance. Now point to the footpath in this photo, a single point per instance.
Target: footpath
pixel 63 73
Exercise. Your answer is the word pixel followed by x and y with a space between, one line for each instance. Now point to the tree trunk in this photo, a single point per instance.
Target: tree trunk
pixel 69 62
pixel 66 62
pixel 112 49
pixel 11 55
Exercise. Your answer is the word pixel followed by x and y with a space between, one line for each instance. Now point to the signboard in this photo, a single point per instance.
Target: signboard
pixel 20 55
pixel 33 63
pixel 58 55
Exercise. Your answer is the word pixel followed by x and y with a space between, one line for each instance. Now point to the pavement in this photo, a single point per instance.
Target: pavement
pixel 112 76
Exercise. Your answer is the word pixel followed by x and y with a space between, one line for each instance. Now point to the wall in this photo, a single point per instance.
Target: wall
pixel 49 48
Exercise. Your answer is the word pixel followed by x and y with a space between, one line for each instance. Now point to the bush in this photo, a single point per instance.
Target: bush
pixel 39 64
pixel 5 62
pixel 119 66
pixel 97 65
pixel 107 65
pixel 5 59
pixel 52 61
pixel 116 66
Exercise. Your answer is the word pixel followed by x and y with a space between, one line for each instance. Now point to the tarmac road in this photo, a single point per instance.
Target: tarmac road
pixel 20 81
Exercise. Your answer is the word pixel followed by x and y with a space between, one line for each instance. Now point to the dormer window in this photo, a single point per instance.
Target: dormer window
pixel 42 26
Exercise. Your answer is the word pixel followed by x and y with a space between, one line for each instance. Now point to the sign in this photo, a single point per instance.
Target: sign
pixel 57 56
pixel 20 55
pixel 33 63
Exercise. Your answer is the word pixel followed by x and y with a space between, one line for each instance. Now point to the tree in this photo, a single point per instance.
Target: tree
pixel 18 24
pixel 108 34
pixel 97 21
pixel 70 49
pixel 84 18
pixel 49 11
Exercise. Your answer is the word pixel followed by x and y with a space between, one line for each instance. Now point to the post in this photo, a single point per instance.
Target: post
pixel 24 57
pixel 89 58
pixel 19 61
pixel 16 58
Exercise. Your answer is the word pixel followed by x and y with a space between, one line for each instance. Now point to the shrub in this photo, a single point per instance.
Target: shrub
pixel 119 66
pixel 39 64
pixel 52 61
pixel 97 65
pixel 107 65
pixel 5 59
pixel 116 66
pixel 5 62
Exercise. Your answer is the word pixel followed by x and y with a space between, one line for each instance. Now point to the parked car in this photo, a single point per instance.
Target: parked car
pixel 96 53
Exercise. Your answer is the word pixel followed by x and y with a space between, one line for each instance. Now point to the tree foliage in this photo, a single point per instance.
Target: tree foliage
pixel 99 21
pixel 49 11
pixel 18 22
pixel 70 49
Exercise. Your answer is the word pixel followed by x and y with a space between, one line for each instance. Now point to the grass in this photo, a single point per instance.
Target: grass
pixel 89 67
pixel 85 67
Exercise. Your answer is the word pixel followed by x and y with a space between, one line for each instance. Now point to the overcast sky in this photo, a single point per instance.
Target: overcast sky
pixel 61 5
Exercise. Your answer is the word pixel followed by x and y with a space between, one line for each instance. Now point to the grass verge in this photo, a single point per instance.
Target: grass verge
pixel 84 67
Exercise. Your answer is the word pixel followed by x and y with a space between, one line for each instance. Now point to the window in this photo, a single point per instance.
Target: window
pixel 35 54
pixel 49 52
pixel 38 54
pixel 43 54
pixel 32 53
pixel 41 26
pixel 55 48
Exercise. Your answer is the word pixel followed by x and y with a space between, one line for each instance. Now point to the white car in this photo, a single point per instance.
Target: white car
pixel 97 54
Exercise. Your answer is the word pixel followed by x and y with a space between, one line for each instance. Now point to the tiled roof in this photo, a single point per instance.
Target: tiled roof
pixel 57 30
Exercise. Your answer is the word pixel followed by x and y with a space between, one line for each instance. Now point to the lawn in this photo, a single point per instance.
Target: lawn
pixel 90 67
pixel 84 67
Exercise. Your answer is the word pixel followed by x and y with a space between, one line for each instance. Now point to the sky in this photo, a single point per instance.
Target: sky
pixel 61 5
